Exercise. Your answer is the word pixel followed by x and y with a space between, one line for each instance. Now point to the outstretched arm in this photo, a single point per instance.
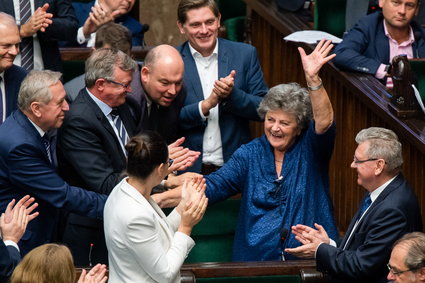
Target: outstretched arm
pixel 322 108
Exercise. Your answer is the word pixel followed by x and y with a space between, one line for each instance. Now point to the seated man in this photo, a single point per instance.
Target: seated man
pixel 92 15
pixel 370 46
pixel 407 261
pixel 389 210
pixel 28 159
pixel 13 223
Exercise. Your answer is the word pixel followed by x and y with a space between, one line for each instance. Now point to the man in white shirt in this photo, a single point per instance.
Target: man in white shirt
pixel 224 85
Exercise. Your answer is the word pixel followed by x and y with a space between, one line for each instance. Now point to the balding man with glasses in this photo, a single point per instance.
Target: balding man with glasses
pixel 389 210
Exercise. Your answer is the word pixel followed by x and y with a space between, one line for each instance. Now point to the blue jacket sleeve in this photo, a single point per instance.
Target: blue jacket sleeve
pixel 9 258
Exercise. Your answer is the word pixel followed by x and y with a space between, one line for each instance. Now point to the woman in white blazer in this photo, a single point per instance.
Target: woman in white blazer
pixel 144 245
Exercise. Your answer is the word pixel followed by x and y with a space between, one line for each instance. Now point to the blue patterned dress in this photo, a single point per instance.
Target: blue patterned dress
pixel 300 196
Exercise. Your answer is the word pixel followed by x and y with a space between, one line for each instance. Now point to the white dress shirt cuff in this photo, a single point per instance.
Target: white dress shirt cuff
pixel 80 36
pixel 200 111
pixel 11 243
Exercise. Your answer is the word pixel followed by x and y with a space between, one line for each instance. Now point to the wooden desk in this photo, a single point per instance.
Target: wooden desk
pixel 359 101
pixel 82 53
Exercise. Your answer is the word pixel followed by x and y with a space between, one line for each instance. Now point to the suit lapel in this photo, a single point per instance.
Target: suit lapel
pixel 10 86
pixel 382 44
pixel 102 118
pixel 7 7
pixel 388 190
pixel 223 60
pixel 191 72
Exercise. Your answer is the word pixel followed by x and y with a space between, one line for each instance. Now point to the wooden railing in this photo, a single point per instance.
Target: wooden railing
pixel 82 53
pixel 359 101
pixel 306 270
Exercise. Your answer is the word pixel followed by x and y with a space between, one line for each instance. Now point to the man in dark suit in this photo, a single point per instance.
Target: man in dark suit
pixel 372 43
pixel 28 159
pixel 91 144
pixel 11 76
pixel 389 210
pixel 224 85
pixel 163 94
pixel 13 223
pixel 50 22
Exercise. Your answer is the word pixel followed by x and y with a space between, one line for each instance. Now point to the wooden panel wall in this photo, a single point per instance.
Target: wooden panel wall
pixel 359 101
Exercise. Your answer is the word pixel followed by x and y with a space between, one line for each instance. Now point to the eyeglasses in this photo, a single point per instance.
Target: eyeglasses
pixel 170 162
pixel 391 269
pixel 126 86
pixel 355 160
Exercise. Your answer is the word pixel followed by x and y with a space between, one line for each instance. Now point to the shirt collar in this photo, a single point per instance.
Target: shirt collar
pixel 407 42
pixel 39 130
pixel 197 54
pixel 374 195
pixel 106 109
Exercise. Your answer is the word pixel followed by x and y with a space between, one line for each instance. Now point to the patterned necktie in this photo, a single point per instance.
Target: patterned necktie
pixel 366 203
pixel 48 147
pixel 27 49
pixel 1 102
pixel 123 136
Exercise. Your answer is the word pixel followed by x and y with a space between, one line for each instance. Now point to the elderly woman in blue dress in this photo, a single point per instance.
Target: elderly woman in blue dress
pixel 283 175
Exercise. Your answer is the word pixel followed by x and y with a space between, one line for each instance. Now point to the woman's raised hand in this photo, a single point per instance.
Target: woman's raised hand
pixel 313 62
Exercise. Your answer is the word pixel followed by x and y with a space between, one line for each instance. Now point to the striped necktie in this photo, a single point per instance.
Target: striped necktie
pixel 122 132
pixel 27 48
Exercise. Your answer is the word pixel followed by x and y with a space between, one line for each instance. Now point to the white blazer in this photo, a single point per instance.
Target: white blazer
pixel 142 242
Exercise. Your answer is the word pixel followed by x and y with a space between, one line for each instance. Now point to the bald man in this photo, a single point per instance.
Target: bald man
pixel 11 76
pixel 163 94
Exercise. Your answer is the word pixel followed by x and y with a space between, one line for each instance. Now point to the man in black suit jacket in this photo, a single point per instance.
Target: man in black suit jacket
pixel 392 211
pixel 158 107
pixel 13 223
pixel 59 24
pixel 91 146
pixel 11 75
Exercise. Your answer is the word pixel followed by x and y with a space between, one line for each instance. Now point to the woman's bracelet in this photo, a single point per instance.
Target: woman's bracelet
pixel 313 88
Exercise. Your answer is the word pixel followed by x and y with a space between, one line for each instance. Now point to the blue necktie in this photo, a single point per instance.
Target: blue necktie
pixel 48 147
pixel 366 203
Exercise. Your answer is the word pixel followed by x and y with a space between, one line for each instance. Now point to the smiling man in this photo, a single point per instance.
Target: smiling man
pixel 389 210
pixel 372 43
pixel 28 160
pixel 11 76
pixel 224 86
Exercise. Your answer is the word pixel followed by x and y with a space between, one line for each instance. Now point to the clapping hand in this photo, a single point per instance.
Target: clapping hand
pixel 95 275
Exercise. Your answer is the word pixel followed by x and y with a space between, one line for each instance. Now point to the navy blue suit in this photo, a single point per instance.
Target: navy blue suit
pixel 13 78
pixel 365 47
pixel 25 169
pixel 9 258
pixel 64 27
pixel 394 213
pixel 234 112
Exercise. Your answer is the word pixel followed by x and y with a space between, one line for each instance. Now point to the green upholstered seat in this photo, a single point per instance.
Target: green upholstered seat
pixel 418 67
pixel 214 234
pixel 235 28
pixel 329 16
